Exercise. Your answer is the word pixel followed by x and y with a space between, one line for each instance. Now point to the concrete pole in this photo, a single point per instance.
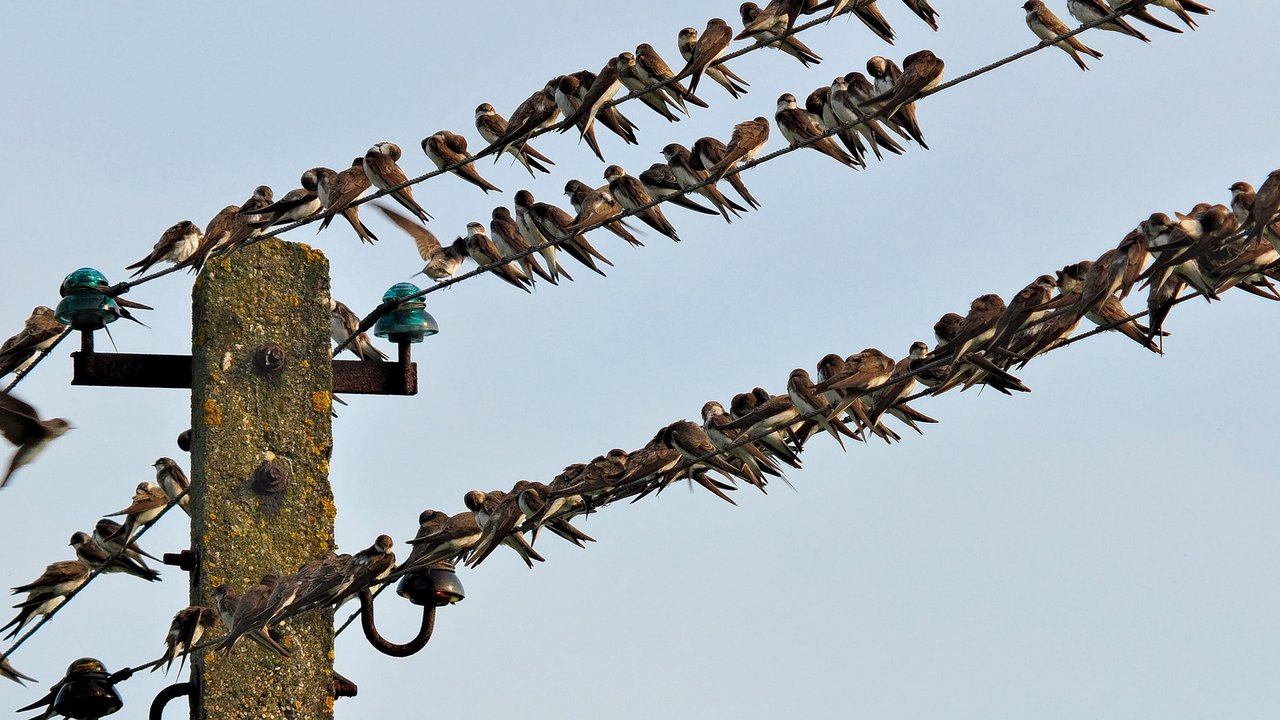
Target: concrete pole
pixel 261 500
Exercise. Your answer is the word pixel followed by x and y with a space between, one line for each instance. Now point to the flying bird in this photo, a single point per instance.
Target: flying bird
pixel 21 425
pixel 442 263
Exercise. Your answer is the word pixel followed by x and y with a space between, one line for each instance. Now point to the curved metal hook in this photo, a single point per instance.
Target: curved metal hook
pixel 173 692
pixel 385 646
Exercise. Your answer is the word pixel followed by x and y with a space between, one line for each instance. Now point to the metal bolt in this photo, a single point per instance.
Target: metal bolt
pixel 270 478
pixel 269 356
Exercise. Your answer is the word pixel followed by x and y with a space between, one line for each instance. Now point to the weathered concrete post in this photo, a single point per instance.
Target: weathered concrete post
pixel 261 500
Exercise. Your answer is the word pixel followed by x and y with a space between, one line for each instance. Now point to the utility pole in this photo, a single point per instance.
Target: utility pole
pixel 261 439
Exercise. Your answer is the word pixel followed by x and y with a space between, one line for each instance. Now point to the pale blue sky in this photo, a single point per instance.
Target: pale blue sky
pixel 1102 547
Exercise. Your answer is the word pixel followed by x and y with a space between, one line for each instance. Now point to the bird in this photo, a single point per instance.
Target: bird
pixel 701 52
pixel 923 11
pixel 528 228
pixel 492 126
pixel 484 505
pixel 699 454
pixel 869 14
pixel 483 250
pixel 383 172
pixel 337 190
pixel 922 71
pixel 149 500
pixel 449 150
pixel 707 153
pixel 244 226
pixel 603 87
pixel 442 262
pixel 552 223
pixel 850 103
pixel 538 111
pixel 97 558
pixel 1183 8
pixel 343 324
pixel 680 160
pixel 1047 26
pixel 7 671
pixel 884 73
pixel 653 70
pixel 297 204
pixel 1138 11
pixel 21 425
pixel 176 245
pixel 58 578
pixel 239 613
pixel 662 184
pixel 38 334
pixel 775 37
pixel 658 101
pixel 507 236
pixel 597 205
pixel 1266 204
pixel 753 459
pixel 185 630
pixel 174 482
pixel 452 540
pixel 110 536
pixel 631 194
pixel 748 139
pixel 807 401
pixel 1087 11
pixel 799 126
pixel 779 17
pixel 570 91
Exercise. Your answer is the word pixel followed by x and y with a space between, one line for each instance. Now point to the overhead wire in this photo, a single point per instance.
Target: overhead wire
pixel 388 306
pixel 94 572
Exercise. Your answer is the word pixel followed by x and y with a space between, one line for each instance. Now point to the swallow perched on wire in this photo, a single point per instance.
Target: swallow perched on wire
pixel 450 149
pixel 185 631
pixel 552 223
pixel 451 539
pixel 38 334
pixel 21 425
pixel 1087 11
pixel 921 72
pixel 656 100
pixel 538 111
pixel 484 251
pixel 595 205
pixel 680 160
pixel 486 506
pixel 775 37
pixel 492 126
pixel 510 241
pixel 800 126
pixel 1047 26
pixel 149 500
pixel 652 69
pixel 297 204
pixel 662 184
pixel 337 190
pixel 98 558
pixel 174 482
pixel 47 592
pixel 380 165
pixel 631 194
pixel 240 614
pixel 176 244
pixel 701 53
pixel 1182 8
pixel 343 323
pixel 748 139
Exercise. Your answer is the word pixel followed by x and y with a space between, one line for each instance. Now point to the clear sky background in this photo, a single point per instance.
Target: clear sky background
pixel 1103 547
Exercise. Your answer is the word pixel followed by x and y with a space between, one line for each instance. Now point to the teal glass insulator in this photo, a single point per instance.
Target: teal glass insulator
pixel 85 305
pixel 408 323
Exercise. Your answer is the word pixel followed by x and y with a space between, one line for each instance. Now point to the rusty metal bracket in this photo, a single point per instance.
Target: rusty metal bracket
pixel 350 377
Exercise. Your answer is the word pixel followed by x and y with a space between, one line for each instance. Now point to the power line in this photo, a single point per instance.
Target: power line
pixel 368 321
pixel 66 600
